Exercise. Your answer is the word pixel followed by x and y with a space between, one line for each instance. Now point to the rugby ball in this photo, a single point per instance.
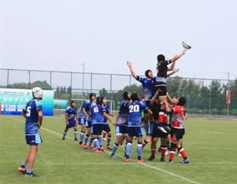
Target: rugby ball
pixel 186 45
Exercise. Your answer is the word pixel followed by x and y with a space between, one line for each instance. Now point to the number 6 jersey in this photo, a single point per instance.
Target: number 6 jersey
pixel 135 113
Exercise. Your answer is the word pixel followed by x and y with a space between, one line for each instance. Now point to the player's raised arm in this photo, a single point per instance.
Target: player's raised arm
pixel 175 58
pixel 172 73
pixel 131 70
pixel 154 98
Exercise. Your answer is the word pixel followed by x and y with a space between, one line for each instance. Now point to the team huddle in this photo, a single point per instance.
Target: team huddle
pixel 135 115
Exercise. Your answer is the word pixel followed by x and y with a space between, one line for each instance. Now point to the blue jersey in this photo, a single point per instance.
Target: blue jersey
pixel 123 114
pixel 71 113
pixel 148 87
pixel 97 114
pixel 135 113
pixel 107 110
pixel 86 105
pixel 31 109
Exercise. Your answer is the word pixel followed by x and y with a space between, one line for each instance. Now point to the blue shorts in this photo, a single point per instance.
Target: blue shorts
pixel 107 128
pixel 33 139
pixel 97 129
pixel 72 123
pixel 88 124
pixel 121 129
pixel 135 131
pixel 82 121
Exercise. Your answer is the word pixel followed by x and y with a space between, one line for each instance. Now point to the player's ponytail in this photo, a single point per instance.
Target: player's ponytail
pixel 135 97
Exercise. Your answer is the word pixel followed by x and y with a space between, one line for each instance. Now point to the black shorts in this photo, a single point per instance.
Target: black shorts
pixel 107 128
pixel 148 105
pixel 177 134
pixel 163 90
pixel 158 133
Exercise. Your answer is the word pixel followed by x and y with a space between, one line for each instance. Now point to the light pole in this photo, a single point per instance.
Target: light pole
pixel 228 86
pixel 83 73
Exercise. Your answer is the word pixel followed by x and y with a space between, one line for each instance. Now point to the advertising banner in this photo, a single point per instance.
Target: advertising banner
pixel 14 100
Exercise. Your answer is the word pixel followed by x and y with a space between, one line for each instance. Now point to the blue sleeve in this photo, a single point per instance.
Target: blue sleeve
pixel 144 106
pixel 85 104
pixel 76 110
pixel 38 105
pixel 107 109
pixel 141 80
pixel 67 110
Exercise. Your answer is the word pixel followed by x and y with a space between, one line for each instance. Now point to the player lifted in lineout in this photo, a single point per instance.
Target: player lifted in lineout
pixel 162 68
pixel 149 89
pixel 34 118
pixel 84 118
pixel 70 114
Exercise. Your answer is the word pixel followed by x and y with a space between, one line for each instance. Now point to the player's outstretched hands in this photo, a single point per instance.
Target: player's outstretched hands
pixel 184 51
pixel 129 64
pixel 175 70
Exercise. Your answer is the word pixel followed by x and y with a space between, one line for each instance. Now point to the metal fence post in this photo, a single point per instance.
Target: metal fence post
pixel 50 75
pixel 7 78
pixel 71 88
pixel 111 78
pixel 91 83
pixel 29 77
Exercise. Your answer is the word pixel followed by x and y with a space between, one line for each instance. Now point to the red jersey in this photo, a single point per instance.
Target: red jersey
pixel 177 117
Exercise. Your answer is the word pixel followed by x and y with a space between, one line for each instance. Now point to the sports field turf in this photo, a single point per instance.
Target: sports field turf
pixel 209 144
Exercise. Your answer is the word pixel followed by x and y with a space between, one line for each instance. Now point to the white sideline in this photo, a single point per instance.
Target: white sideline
pixel 144 164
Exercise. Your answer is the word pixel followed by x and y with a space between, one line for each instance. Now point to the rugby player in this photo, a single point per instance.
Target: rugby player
pixel 121 129
pixel 84 118
pixel 162 68
pixel 135 126
pixel 98 113
pixel 178 117
pixel 106 125
pixel 70 114
pixel 157 133
pixel 34 118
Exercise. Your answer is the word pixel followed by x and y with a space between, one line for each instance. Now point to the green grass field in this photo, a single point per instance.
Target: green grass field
pixel 209 144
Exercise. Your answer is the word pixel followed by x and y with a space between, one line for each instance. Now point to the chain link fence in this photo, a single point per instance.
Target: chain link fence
pixel 78 85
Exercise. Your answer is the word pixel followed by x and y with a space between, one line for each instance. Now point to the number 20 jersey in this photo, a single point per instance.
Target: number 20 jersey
pixel 135 113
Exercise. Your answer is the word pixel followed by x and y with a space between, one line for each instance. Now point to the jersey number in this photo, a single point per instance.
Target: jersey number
pixel 134 108
pixel 96 109
pixel 28 111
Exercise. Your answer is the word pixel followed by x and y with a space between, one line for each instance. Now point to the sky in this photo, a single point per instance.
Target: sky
pixel 62 34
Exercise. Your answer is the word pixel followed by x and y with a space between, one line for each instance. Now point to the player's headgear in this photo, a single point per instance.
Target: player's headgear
pixel 135 97
pixel 147 73
pixel 92 94
pixel 98 101
pixel 125 95
pixel 160 58
pixel 37 92
pixel 182 101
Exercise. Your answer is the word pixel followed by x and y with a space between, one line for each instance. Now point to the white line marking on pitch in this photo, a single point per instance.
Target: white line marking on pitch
pixel 211 132
pixel 144 164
